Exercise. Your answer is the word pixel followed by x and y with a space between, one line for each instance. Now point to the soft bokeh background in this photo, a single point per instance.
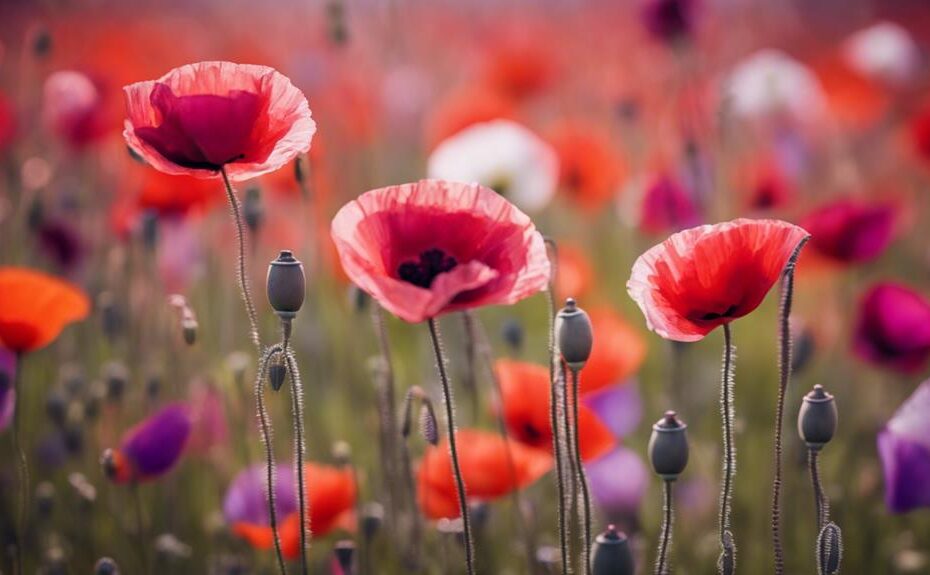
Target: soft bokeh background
pixel 625 98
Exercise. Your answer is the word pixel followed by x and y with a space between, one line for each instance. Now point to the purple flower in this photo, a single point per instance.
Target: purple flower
pixel 667 207
pixel 7 393
pixel 618 481
pixel 669 20
pixel 619 407
pixel 245 499
pixel 850 230
pixel 893 328
pixel 152 447
pixel 904 446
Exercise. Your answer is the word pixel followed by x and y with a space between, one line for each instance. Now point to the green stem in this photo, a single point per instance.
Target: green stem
pixel 729 452
pixel 582 478
pixel 662 561
pixel 297 414
pixel 241 272
pixel 266 433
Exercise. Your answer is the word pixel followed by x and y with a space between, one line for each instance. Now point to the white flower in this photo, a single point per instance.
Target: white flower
pixel 883 51
pixel 772 82
pixel 501 155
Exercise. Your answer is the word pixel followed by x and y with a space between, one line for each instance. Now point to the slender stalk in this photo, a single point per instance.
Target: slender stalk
pixel 448 400
pixel 471 360
pixel 662 563
pixel 566 443
pixel 729 451
pixel 813 462
pixel 23 466
pixel 297 414
pixel 387 410
pixel 582 478
pixel 141 537
pixel 241 272
pixel 267 441
pixel 784 376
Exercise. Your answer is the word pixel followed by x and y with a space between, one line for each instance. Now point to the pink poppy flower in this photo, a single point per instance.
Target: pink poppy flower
pixel 73 108
pixel 204 117
pixel 893 328
pixel 432 247
pixel 851 231
pixel 707 276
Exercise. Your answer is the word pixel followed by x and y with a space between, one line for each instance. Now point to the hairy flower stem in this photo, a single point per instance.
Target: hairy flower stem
pixel 820 500
pixel 141 538
pixel 729 451
pixel 784 377
pixel 662 563
pixel 387 410
pixel 23 466
pixel 297 414
pixel 471 361
pixel 448 400
pixel 241 272
pixel 267 439
pixel 582 478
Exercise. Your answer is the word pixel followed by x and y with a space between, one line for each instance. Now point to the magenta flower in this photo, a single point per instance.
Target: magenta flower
pixel 851 231
pixel 893 328
pixel 904 447
pixel 667 207
pixel 152 447
pixel 618 481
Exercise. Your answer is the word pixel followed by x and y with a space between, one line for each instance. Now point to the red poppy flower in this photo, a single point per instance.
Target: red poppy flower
pixel 707 276
pixel 433 247
pixel 618 351
pixel 35 307
pixel 152 447
pixel 463 109
pixel 589 171
pixel 172 195
pixel 851 231
pixel 330 496
pixel 520 66
pixel 200 118
pixel 485 464
pixel 525 398
pixel 893 328
pixel 73 108
pixel 920 132
pixel 7 122
pixel 575 274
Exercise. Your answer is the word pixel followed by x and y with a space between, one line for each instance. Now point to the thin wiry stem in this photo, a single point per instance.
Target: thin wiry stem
pixel 23 466
pixel 662 563
pixel 448 400
pixel 471 361
pixel 267 441
pixel 784 377
pixel 820 502
pixel 582 478
pixel 387 409
pixel 297 413
pixel 241 272
pixel 729 450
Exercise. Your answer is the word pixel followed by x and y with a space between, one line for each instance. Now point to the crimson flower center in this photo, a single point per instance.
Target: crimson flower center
pixel 422 271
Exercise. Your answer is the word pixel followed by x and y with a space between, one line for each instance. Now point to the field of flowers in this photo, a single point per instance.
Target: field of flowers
pixel 356 287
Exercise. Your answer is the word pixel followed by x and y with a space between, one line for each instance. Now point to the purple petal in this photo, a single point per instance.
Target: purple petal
pixel 245 499
pixel 904 447
pixel 893 328
pixel 618 481
pixel 156 444
pixel 619 407
pixel 7 393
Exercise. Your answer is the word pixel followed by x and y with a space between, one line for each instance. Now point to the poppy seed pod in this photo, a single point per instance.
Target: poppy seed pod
pixel 817 418
pixel 611 553
pixel 668 446
pixel 574 334
pixel 286 285
pixel 106 566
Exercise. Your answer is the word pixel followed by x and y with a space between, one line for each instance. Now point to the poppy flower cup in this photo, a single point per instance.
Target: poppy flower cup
pixel 35 308
pixel 433 247
pixel 206 117
pixel 151 448
pixel 707 276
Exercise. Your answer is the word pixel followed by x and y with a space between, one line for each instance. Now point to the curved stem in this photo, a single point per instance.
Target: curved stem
pixel 267 434
pixel 582 477
pixel 23 466
pixel 729 451
pixel 662 566
pixel 448 400
pixel 241 272
pixel 387 411
pixel 297 413
pixel 813 462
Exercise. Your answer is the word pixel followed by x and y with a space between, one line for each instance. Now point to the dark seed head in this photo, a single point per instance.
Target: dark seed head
pixel 818 418
pixel 611 553
pixel 106 566
pixel 668 446
pixel 574 334
pixel 372 518
pixel 829 549
pixel 286 285
pixel 513 334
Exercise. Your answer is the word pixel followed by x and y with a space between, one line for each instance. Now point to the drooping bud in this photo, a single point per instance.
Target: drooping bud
pixel 344 551
pixel 611 553
pixel 106 566
pixel 817 418
pixel 829 549
pixel 668 446
pixel 574 334
pixel 277 372
pixel 513 334
pixel 253 211
pixel 428 426
pixel 286 285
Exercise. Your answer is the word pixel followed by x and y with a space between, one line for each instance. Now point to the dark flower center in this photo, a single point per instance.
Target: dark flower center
pixel 714 315
pixel 423 271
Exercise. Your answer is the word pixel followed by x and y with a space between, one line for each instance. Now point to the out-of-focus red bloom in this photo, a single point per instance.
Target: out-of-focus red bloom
pixel 151 448
pixel 707 276
pixel 7 122
pixel 433 247
pixel 330 496
pixel 520 66
pixel 893 328
pixel 575 274
pixel 208 418
pixel 589 167
pixel 463 109
pixel 669 20
pixel 667 207
pixel 486 471
pixel 35 308
pixel 174 195
pixel 852 98
pixel 618 352
pixel 200 118
pixel 73 108
pixel 920 132
pixel 851 231
pixel 525 398
pixel 767 186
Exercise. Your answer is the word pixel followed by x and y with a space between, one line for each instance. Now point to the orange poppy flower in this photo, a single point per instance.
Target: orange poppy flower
pixel 575 273
pixel 852 97
pixel 589 168
pixel 525 395
pixel 35 307
pixel 618 350
pixel 485 466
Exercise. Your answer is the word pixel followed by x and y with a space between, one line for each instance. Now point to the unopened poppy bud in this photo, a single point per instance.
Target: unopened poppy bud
pixel 286 285
pixel 829 549
pixel 513 334
pixel 668 446
pixel 106 566
pixel 574 334
pixel 344 551
pixel 428 426
pixel 253 211
pixel 611 553
pixel 45 499
pixel 300 171
pixel 817 418
pixel 189 329
pixel 277 372
pixel 117 377
pixel 372 518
